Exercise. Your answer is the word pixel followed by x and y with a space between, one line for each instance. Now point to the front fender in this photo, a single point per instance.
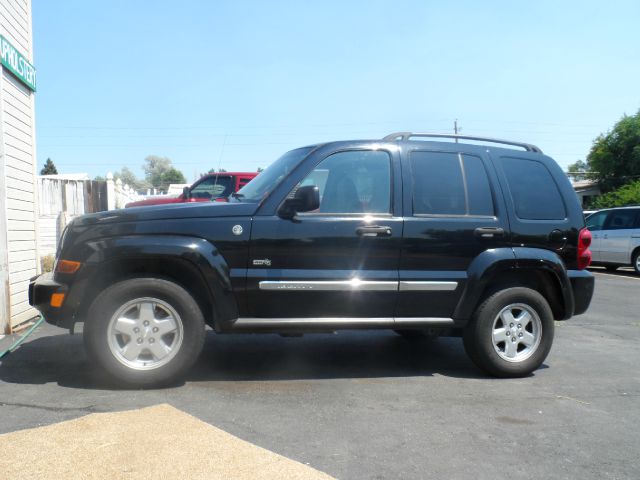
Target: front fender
pixel 491 264
pixel 198 259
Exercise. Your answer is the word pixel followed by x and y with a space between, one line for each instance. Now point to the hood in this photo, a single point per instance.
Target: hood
pixel 168 212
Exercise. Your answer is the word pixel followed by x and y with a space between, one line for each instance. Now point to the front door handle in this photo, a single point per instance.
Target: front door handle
pixel 374 231
pixel 489 232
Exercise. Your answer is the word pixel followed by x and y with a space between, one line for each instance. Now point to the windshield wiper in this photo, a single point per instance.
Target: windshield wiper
pixel 237 195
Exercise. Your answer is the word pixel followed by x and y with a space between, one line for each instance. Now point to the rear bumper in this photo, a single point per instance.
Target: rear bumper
pixel 41 288
pixel 582 284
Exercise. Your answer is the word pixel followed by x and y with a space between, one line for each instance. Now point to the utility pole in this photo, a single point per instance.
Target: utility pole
pixel 455 128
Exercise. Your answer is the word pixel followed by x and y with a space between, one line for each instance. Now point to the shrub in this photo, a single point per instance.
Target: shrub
pixel 47 262
pixel 629 194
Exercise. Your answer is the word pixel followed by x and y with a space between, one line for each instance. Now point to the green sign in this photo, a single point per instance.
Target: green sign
pixel 17 64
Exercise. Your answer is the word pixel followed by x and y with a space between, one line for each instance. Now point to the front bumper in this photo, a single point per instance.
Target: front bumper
pixel 41 288
pixel 582 284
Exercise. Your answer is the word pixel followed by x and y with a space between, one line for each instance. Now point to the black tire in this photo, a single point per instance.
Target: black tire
pixel 478 335
pixel 636 263
pixel 189 322
pixel 611 268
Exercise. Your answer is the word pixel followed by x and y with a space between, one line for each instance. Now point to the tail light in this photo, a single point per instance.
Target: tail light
pixel 584 254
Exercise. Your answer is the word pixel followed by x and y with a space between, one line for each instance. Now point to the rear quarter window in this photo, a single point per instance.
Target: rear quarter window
pixel 534 192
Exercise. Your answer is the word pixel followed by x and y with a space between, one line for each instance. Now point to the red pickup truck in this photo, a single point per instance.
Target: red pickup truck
pixel 208 188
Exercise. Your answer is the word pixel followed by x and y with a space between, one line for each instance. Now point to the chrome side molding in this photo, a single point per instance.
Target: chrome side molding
pixel 426 286
pixel 255 324
pixel 356 284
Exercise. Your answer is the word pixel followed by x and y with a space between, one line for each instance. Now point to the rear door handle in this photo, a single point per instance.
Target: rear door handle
pixel 488 232
pixel 374 231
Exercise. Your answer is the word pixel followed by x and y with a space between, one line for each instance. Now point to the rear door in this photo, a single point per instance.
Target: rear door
pixel 453 211
pixel 615 242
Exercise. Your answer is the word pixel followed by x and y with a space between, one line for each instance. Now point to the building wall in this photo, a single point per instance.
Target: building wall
pixel 19 259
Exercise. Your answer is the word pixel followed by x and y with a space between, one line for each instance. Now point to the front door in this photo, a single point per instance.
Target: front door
pixel 338 261
pixel 595 222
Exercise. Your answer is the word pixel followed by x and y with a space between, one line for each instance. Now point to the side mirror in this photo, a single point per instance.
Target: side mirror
pixel 305 199
pixel 186 193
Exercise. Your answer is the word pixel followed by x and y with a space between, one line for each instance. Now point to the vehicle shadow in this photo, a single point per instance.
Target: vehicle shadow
pixel 620 272
pixel 61 359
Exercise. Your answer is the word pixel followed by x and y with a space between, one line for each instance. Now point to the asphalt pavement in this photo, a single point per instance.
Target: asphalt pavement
pixel 374 405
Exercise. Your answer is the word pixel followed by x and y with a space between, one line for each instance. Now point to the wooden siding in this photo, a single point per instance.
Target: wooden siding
pixel 19 245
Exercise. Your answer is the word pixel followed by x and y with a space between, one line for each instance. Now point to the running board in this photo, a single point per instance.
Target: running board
pixel 255 324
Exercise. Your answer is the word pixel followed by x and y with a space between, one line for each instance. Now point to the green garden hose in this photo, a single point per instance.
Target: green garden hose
pixel 23 337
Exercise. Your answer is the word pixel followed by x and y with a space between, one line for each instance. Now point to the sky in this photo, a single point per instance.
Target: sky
pixel 234 84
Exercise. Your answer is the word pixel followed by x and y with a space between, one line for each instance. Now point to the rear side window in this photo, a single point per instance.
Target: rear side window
pixel 620 219
pixel 533 189
pixel 450 184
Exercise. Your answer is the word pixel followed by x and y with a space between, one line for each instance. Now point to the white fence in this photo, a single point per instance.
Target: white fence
pixel 119 194
pixel 61 199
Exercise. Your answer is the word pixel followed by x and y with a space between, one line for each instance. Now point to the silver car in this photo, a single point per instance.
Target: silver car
pixel 616 237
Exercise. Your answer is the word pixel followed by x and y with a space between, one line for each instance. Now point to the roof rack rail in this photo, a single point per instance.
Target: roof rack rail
pixel 408 135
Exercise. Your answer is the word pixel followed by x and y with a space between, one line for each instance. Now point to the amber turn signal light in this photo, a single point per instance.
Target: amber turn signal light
pixel 56 300
pixel 67 266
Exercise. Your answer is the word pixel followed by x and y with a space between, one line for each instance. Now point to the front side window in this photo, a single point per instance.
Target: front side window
pixel 620 219
pixel 533 190
pixel 213 187
pixel 353 182
pixel 450 184
pixel 596 221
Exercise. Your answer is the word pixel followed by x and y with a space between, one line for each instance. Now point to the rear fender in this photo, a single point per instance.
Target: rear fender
pixel 487 267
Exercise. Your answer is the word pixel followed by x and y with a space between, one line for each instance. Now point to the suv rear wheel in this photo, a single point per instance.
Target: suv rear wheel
pixel 511 332
pixel 144 331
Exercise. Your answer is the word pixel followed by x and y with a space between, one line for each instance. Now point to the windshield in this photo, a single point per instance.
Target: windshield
pixel 213 187
pixel 261 186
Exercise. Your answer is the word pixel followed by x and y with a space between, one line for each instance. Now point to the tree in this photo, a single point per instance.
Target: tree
pixel 172 176
pixel 629 194
pixel 49 168
pixel 615 157
pixel 154 167
pixel 127 177
pixel 260 169
pixel 99 178
pixel 578 170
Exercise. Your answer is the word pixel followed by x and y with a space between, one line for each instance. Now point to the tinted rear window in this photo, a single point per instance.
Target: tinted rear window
pixel 450 184
pixel 533 189
pixel 478 189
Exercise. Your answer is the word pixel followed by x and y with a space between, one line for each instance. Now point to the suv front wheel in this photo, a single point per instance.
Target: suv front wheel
pixel 511 332
pixel 144 331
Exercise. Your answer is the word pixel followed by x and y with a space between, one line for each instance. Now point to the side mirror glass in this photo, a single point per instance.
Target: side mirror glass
pixel 305 199
pixel 186 193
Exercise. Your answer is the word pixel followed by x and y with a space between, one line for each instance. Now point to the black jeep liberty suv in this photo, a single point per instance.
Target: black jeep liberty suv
pixel 414 232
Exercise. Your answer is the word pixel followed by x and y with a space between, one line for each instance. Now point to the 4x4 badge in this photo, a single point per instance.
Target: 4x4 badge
pixel 262 261
pixel 237 230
